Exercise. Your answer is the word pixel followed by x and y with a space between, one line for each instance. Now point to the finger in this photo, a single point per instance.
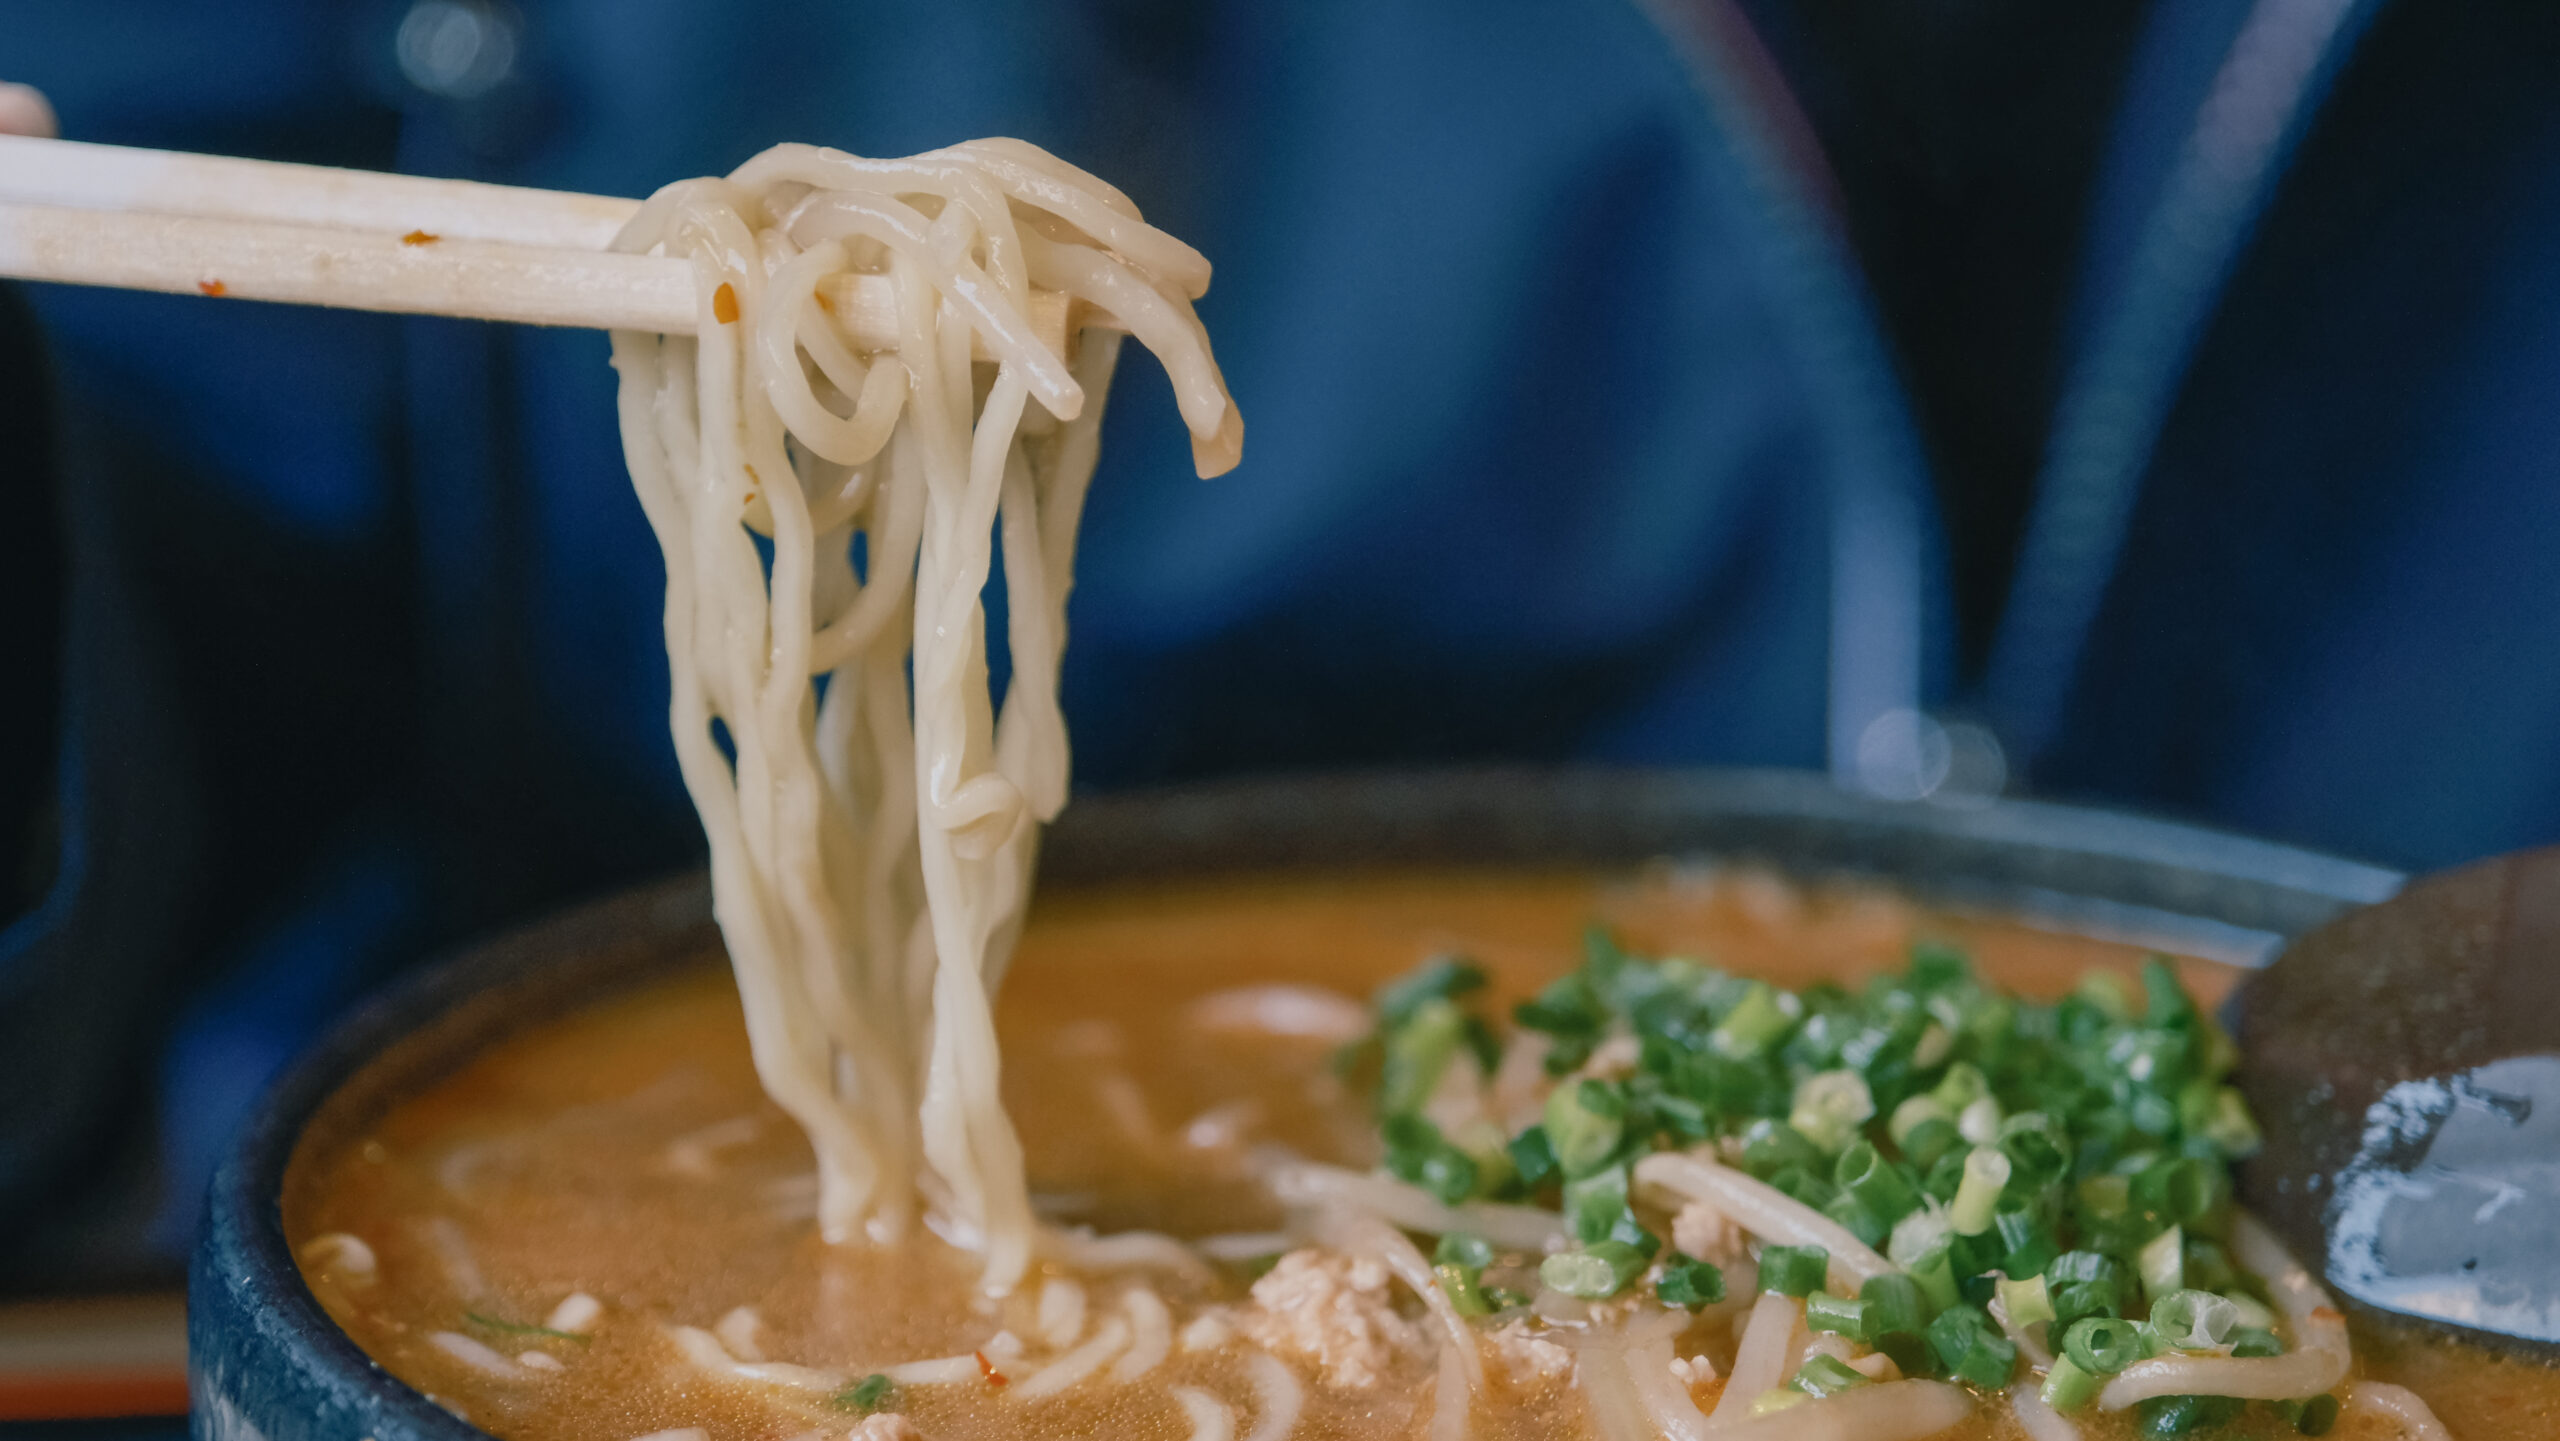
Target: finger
pixel 25 111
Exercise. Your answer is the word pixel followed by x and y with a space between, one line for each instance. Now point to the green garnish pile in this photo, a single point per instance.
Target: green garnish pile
pixel 2071 1159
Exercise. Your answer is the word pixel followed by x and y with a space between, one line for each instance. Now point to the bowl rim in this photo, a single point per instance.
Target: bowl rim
pixel 442 1012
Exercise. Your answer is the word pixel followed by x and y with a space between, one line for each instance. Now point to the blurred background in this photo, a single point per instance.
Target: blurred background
pixel 2149 404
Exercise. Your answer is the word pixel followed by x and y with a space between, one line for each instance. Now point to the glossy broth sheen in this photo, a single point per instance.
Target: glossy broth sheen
pixel 628 1153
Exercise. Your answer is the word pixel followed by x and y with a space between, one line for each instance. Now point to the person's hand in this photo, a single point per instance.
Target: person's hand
pixel 25 111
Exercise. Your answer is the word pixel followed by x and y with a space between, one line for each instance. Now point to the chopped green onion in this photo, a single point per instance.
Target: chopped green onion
pixel 1961 1086
pixel 2312 1417
pixel 2253 1312
pixel 2084 1283
pixel 2231 1127
pixel 2103 1345
pixel 2162 1263
pixel 1458 1248
pixel 1628 1231
pixel 2194 1320
pixel 1689 1283
pixel 1921 1234
pixel 1793 1270
pixel 1939 965
pixel 1567 1010
pixel 1878 1184
pixel 1417 1153
pixel 1930 1140
pixel 1936 1277
pixel 1770 1146
pixel 1986 1174
pixel 2073 1300
pixel 1482 1142
pixel 1594 1273
pixel 519 1328
pixel 1461 1286
pixel 1980 1122
pixel 1418 1052
pixel 2086 1266
pixel 2103 1199
pixel 1974 1255
pixel 1585 1121
pixel 1594 1203
pixel 1895 1307
pixel 1533 1160
pixel 1910 1115
pixel 2181 1188
pixel 1829 1108
pixel 1441 978
pixel 1855 1218
pixel 2165 1418
pixel 2108 993
pixel 2038 1147
pixel 2067 1387
pixel 1840 1315
pixel 871 1393
pixel 1764 1016
pixel 1826 1376
pixel 2027 1244
pixel 2209 1266
pixel 2025 1301
pixel 1805 1186
pixel 1777 1399
pixel 2255 1341
pixel 1970 1348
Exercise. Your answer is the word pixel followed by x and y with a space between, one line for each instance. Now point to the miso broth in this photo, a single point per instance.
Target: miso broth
pixel 1161 1044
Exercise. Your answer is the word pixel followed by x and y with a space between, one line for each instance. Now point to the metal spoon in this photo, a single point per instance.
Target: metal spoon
pixel 2404 1061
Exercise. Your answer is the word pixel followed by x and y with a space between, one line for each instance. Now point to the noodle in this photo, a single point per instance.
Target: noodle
pixel 1127 1251
pixel 1369 1236
pixel 872 838
pixel 1665 1399
pixel 1210 1419
pixel 1278 1397
pixel 574 1315
pixel 1452 1399
pixel 471 1353
pixel 1768 1345
pixel 1061 1318
pixel 2040 1421
pixel 1151 1326
pixel 1525 1228
pixel 2317 1362
pixel 343 1254
pixel 1609 1395
pixel 1077 1364
pixel 1764 1211
pixel 1886 1411
pixel 2416 1420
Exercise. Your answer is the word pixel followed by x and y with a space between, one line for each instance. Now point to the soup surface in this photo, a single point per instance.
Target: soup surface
pixel 601 1229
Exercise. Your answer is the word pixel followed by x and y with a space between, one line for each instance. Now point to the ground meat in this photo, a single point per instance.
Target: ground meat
pixel 1702 1231
pixel 886 1426
pixel 1524 1358
pixel 1334 1311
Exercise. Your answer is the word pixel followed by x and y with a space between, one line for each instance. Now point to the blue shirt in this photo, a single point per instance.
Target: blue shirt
pixel 1573 432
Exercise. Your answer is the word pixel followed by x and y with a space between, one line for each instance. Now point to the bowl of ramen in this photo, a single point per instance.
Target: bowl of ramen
pixel 1611 1105
pixel 1608 1104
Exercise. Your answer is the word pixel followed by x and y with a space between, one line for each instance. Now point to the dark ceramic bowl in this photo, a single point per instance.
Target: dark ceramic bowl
pixel 267 1365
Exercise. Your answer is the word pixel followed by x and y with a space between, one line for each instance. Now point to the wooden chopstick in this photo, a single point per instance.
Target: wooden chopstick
pixel 311 235
pixel 309 265
pixel 166 182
